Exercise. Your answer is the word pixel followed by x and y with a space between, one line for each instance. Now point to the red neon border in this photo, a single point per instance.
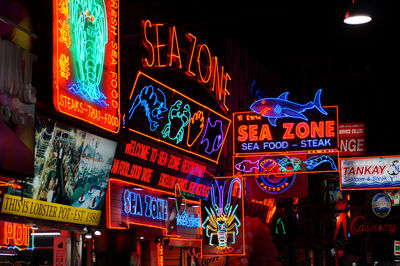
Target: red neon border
pixel 357 158
pixel 190 99
pixel 56 86
pixel 284 152
pixel 123 182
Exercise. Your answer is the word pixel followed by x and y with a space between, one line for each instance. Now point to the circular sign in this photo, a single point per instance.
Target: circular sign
pixel 381 205
pixel 275 175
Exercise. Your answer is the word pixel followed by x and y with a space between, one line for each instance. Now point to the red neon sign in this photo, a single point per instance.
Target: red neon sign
pixel 199 64
pixel 86 62
pixel 14 235
pixel 360 225
pixel 254 134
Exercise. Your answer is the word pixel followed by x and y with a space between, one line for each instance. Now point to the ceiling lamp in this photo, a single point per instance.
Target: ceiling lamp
pixel 355 15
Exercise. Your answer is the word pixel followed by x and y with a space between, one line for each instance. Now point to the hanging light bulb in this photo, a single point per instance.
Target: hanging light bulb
pixel 355 16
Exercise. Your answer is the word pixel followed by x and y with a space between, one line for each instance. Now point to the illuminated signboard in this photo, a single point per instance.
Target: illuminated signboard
pixel 163 114
pixel 352 139
pixel 256 134
pixel 223 219
pixel 287 164
pixel 70 179
pixel 85 61
pixel 16 236
pixel 370 173
pixel 168 49
pixel 147 164
pixel 128 203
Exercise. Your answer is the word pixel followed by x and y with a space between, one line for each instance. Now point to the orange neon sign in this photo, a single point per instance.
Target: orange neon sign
pixel 199 63
pixel 253 134
pixel 17 236
pixel 86 62
pixel 163 114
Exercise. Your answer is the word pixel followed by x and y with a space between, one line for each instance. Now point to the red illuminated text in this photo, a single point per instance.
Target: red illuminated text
pixel 199 63
pixel 13 234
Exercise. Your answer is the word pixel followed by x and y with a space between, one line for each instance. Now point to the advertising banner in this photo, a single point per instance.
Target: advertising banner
pixel 223 218
pixel 165 115
pixel 143 163
pixel 253 133
pixel 86 61
pixel 352 139
pixel 70 176
pixel 128 203
pixel 370 173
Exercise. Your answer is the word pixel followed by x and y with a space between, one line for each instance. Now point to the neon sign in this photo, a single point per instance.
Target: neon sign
pixel 360 225
pixel 184 218
pixel 299 163
pixel 222 224
pixel 133 204
pixel 155 208
pixel 198 64
pixel 147 164
pixel 153 102
pixel 274 108
pixel 253 133
pixel 164 115
pixel 177 111
pixel 16 236
pixel 85 61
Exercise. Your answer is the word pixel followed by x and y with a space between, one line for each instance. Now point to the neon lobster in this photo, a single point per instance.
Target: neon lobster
pixel 222 221
pixel 89 37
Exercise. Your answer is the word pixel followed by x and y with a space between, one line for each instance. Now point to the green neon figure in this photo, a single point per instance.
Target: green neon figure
pixel 178 118
pixel 88 22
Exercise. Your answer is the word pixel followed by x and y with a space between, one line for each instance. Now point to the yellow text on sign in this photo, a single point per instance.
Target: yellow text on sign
pixel 49 210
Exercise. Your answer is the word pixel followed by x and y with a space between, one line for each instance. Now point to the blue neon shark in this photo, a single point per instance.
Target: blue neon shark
pixel 274 108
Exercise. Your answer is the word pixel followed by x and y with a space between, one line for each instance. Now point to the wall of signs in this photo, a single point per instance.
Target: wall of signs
pixel 85 61
pixel 165 115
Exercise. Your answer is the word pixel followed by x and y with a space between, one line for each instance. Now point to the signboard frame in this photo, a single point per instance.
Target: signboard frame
pixel 289 131
pixel 342 187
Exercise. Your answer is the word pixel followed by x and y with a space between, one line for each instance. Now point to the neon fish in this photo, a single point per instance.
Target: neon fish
pixel 274 108
pixel 314 161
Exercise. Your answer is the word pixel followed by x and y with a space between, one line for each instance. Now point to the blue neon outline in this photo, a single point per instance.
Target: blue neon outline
pixel 280 107
pixel 218 139
pixel 317 160
pixel 154 103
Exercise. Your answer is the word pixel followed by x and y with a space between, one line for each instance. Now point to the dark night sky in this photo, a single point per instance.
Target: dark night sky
pixel 309 47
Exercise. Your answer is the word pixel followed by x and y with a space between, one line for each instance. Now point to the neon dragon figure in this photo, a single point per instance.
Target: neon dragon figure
pixel 88 22
pixel 222 221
